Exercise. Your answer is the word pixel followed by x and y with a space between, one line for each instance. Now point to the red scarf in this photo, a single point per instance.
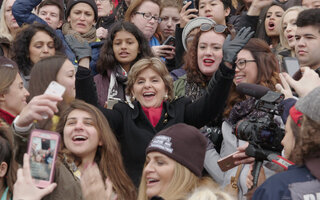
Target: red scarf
pixel 6 116
pixel 153 114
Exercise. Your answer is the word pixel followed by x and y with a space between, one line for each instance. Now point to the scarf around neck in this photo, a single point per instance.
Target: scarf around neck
pixel 90 36
pixel 153 114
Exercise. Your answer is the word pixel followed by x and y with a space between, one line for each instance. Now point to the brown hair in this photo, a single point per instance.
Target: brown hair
pixel 134 6
pixel 191 63
pixel 308 141
pixel 268 70
pixel 108 156
pixel 8 73
pixel 156 65
pixel 170 3
pixel 42 73
pixel 7 156
pixel 57 3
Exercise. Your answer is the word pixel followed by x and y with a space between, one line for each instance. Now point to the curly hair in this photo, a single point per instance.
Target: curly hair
pixel 268 70
pixel 191 63
pixel 22 41
pixel 308 141
pixel 107 58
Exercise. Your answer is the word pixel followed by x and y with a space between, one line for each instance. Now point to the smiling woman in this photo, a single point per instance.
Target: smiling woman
pixel 172 170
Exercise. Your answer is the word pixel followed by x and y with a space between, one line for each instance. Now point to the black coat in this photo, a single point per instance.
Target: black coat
pixel 133 129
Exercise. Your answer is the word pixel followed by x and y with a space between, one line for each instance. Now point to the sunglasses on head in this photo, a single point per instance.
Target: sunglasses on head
pixel 218 28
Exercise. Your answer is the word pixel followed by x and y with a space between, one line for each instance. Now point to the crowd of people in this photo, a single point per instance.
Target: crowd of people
pixel 158 94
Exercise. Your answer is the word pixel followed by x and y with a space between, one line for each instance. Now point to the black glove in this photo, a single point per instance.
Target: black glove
pixel 80 49
pixel 231 48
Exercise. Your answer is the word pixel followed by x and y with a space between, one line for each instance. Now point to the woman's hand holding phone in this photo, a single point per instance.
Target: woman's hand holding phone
pixel 24 188
pixel 187 14
pixel 166 51
pixel 39 106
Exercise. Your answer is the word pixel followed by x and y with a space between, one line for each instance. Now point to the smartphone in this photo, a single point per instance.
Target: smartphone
pixel 191 6
pixel 55 88
pixel 170 41
pixel 291 65
pixel 227 162
pixel 42 149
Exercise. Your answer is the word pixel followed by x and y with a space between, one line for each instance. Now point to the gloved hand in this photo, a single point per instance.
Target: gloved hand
pixel 231 48
pixel 80 49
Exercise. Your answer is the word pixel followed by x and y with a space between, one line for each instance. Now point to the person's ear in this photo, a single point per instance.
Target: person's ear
pixel 69 19
pixel 2 98
pixel 3 169
pixel 60 24
pixel 227 12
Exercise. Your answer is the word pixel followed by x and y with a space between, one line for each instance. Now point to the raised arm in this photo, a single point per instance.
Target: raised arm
pixel 212 103
pixel 22 12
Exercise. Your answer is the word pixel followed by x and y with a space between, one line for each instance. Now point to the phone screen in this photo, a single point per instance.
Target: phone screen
pixel 42 157
pixel 292 65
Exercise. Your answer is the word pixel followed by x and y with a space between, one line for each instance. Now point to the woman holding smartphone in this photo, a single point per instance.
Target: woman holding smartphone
pixel 90 140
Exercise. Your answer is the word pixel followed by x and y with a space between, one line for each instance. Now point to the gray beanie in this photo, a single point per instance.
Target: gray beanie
pixel 192 24
pixel 310 105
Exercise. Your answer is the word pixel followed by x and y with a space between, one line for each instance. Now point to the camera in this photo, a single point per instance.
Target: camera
pixel 264 132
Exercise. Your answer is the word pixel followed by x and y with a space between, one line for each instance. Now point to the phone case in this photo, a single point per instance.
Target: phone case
pixel 43 149
pixel 227 162
pixel 55 88
pixel 170 41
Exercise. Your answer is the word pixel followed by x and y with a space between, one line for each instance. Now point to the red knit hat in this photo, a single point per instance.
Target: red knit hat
pixel 182 143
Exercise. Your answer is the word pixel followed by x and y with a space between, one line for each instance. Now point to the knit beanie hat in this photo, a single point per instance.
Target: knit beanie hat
pixel 310 105
pixel 92 3
pixel 192 24
pixel 182 143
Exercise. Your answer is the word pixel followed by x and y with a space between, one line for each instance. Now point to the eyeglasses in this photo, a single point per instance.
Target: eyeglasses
pixel 241 64
pixel 218 28
pixel 148 16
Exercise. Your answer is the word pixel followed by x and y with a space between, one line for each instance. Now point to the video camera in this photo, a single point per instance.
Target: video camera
pixel 263 132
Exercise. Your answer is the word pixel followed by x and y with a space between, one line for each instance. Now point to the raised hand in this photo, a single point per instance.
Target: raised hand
pixel 231 48
pixel 80 49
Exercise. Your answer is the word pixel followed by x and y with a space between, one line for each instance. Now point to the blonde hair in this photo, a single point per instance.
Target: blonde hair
pixel 4 30
pixel 283 41
pixel 182 183
pixel 156 65
pixel 206 193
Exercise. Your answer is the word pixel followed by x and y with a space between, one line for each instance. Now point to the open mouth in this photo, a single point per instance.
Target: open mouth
pixel 151 181
pixel 290 37
pixel 208 62
pixel 149 94
pixel 271 25
pixel 79 138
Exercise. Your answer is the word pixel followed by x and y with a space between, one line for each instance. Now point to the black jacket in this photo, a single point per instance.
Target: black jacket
pixel 133 129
